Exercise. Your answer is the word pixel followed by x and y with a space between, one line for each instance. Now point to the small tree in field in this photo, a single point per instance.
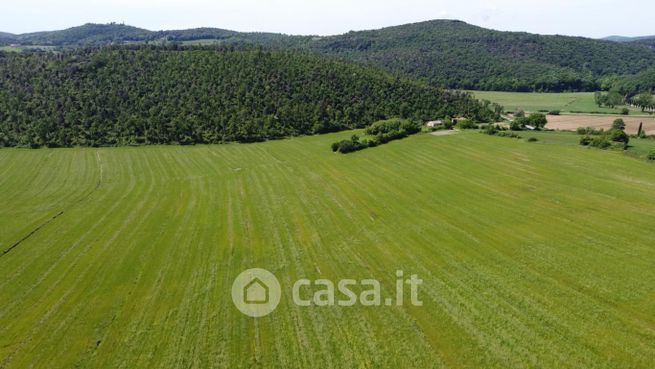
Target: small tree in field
pixel 614 99
pixel 644 100
pixel 538 120
pixel 619 124
pixel 599 98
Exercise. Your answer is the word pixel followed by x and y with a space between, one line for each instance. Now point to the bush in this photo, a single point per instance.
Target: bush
pixel 554 112
pixel 347 146
pixel 619 138
pixel 617 135
pixel 651 155
pixel 491 129
pixel 590 131
pixel 619 124
pixel 382 131
pixel 533 139
pixel 586 141
pixel 508 134
pixel 601 142
pixel 625 111
pixel 518 124
pixel 467 124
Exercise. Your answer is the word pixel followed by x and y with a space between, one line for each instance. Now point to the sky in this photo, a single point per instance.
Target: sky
pixel 589 18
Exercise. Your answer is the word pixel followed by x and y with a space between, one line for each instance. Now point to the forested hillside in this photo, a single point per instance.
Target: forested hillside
pixel 648 42
pixel 444 53
pixel 634 84
pixel 154 95
pixel 456 54
pixel 105 34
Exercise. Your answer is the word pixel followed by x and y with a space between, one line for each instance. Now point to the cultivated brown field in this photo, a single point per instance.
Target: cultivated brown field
pixel 572 122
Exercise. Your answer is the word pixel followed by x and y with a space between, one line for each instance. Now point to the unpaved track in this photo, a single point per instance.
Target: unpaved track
pixel 444 132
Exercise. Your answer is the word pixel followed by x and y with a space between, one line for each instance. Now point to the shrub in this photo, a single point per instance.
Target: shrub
pixel 508 134
pixel 520 114
pixel 606 139
pixel 586 141
pixel 601 142
pixel 533 139
pixel 590 131
pixel 491 129
pixel 382 132
pixel 651 155
pixel 617 135
pixel 625 111
pixel 619 124
pixel 467 124
pixel 348 146
pixel 518 124
pixel 554 112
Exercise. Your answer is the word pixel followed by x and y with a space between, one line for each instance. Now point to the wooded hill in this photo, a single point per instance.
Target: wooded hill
pixel 121 95
pixel 105 34
pixel 445 53
pixel 460 55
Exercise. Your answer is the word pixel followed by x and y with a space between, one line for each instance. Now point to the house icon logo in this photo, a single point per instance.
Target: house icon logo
pixel 256 292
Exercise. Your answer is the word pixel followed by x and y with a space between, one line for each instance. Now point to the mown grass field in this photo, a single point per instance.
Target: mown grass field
pixel 569 102
pixel 533 255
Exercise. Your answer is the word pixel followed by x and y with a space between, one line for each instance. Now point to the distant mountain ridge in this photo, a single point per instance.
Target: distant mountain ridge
pixel 628 39
pixel 92 34
pixel 446 53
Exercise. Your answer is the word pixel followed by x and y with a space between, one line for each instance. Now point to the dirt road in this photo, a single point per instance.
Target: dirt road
pixel 571 122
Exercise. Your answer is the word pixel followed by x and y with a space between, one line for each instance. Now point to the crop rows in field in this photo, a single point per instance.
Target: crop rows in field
pixel 532 255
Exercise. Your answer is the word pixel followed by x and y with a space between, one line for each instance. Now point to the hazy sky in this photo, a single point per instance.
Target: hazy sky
pixel 591 18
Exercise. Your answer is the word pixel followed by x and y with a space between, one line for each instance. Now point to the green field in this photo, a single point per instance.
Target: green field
pixel 571 102
pixel 533 255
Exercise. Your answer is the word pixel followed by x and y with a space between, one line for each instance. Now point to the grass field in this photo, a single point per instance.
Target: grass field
pixel 533 255
pixel 577 102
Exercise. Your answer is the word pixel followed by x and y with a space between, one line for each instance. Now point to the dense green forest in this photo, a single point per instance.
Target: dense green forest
pixel 120 95
pixel 445 53
pixel 649 42
pixel 634 84
pixel 460 55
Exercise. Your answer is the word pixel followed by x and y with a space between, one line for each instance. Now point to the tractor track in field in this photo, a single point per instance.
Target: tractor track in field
pixel 60 213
